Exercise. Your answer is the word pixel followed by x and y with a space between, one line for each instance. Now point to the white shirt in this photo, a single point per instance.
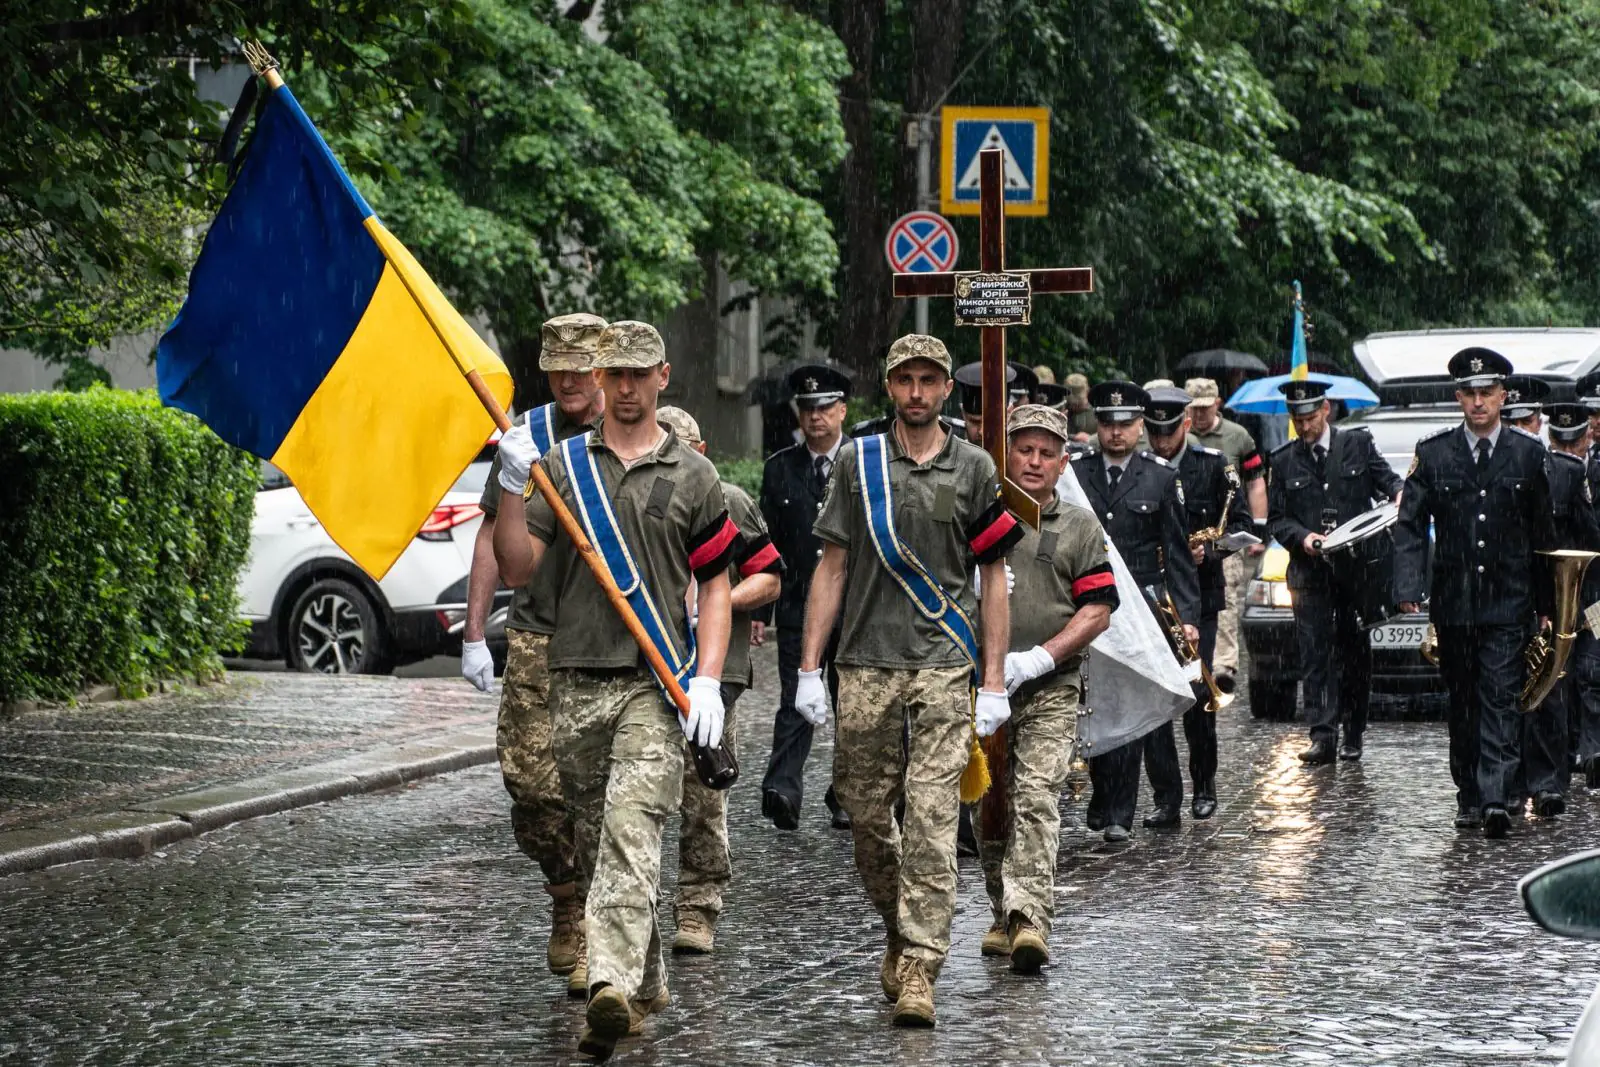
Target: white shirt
pixel 831 455
pixel 1472 439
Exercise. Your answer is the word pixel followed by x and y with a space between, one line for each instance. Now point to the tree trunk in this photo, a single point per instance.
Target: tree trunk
pixel 521 357
pixel 869 315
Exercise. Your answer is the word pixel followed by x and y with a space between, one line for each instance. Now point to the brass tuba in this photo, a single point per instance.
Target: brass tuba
pixel 1546 653
pixel 1187 653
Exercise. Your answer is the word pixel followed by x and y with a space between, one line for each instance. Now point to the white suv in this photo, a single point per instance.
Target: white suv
pixel 309 604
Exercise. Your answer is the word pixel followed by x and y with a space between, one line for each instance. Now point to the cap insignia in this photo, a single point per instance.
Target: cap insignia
pixel 811 385
pixel 569 334
pixel 1116 398
pixel 1476 364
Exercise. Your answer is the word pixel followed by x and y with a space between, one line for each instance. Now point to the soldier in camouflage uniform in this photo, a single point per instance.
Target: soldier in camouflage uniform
pixel 1063 599
pixel 704 865
pixel 615 738
pixel 539 817
pixel 896 665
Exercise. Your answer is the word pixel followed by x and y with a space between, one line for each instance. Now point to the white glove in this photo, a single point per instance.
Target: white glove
pixel 1023 667
pixel 477 666
pixel 704 724
pixel 811 697
pixel 977 582
pixel 518 454
pixel 992 712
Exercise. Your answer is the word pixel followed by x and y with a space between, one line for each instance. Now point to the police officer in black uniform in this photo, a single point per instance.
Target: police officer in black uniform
pixel 1524 406
pixel 1485 487
pixel 1586 653
pixel 1209 482
pixel 1322 478
pixel 1549 733
pixel 1139 500
pixel 793 485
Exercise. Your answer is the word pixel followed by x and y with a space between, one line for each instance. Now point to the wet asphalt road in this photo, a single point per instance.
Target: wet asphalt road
pixel 1328 916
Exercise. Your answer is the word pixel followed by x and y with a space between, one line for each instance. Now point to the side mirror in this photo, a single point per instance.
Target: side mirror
pixel 1564 896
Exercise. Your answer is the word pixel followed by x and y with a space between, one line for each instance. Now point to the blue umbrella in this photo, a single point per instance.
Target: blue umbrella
pixel 1261 396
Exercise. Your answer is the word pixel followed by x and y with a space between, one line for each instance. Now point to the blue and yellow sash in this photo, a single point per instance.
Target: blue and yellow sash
pixel 542 424
pixel 600 523
pixel 935 605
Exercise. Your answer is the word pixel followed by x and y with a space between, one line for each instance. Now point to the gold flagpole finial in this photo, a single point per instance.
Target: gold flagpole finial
pixel 262 62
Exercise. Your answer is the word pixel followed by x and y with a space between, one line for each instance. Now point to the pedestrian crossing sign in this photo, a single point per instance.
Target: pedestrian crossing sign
pixel 1024 134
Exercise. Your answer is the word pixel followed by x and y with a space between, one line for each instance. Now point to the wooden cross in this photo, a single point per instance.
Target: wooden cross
pixel 994 298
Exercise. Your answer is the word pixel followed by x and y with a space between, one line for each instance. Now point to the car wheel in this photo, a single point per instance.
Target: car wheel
pixel 1272 699
pixel 334 629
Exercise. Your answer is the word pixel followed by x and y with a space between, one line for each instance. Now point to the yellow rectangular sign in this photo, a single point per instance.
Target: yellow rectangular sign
pixel 1024 133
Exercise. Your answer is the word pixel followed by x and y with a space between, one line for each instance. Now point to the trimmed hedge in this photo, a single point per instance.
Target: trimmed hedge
pixel 745 472
pixel 123 528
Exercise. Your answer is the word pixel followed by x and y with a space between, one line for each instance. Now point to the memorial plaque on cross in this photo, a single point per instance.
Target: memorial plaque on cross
pixel 993 298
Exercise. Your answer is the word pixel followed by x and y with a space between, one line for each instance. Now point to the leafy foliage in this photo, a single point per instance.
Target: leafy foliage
pixel 123 528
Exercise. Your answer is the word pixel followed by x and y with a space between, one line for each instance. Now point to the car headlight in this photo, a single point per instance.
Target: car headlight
pixel 1267 594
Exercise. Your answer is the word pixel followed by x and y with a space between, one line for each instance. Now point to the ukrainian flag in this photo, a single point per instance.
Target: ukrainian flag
pixel 313 339
pixel 1298 368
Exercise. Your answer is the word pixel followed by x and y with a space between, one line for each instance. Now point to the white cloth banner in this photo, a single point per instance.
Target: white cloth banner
pixel 1132 681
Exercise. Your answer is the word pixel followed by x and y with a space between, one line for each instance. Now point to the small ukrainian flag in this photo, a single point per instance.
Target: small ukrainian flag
pixel 311 337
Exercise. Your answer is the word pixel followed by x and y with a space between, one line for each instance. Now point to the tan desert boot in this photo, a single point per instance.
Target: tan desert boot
pixel 915 1006
pixel 566 928
pixel 996 942
pixel 1028 950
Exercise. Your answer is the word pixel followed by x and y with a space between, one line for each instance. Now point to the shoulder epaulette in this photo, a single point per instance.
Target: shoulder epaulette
pixel 1529 436
pixel 1281 447
pixel 1568 456
pixel 784 451
pixel 1147 454
pixel 1207 449
pixel 1436 433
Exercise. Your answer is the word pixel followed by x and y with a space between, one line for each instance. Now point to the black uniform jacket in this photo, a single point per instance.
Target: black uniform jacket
pixel 1300 501
pixel 1572 503
pixel 790 500
pixel 1145 519
pixel 1207 476
pixel 1487 527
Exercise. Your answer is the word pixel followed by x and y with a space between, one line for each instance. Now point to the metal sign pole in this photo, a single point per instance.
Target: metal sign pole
pixel 924 135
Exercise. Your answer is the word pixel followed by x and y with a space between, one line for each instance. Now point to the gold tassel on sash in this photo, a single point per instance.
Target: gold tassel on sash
pixel 975 778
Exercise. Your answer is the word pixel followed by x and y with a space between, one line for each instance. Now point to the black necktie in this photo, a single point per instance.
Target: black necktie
pixel 1114 475
pixel 1483 453
pixel 819 472
pixel 1320 455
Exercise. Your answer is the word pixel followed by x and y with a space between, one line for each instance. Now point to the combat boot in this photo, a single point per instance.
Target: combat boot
pixel 608 1017
pixel 1028 950
pixel 889 973
pixel 566 928
pixel 697 933
pixel 578 980
pixel 915 1004
pixel 641 1008
pixel 996 942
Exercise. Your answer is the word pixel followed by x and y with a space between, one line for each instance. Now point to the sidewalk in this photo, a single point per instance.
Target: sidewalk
pixel 128 777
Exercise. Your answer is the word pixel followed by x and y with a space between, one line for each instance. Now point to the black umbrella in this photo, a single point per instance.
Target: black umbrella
pixel 1221 359
pixel 772 386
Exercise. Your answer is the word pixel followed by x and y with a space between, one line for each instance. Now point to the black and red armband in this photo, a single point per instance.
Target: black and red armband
pixel 996 532
pixel 1251 465
pixel 711 550
pixel 1097 585
pixel 759 556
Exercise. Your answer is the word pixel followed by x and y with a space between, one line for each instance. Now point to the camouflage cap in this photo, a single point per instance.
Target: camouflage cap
pixel 917 346
pixel 681 423
pixel 1077 384
pixel 629 344
pixel 1203 392
pixel 1045 375
pixel 1039 417
pixel 567 342
pixel 1159 383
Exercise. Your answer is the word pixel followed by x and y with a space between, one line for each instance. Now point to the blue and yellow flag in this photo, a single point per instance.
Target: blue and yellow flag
pixel 1298 368
pixel 313 339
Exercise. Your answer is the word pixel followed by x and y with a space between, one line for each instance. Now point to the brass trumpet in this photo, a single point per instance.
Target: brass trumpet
pixel 1187 653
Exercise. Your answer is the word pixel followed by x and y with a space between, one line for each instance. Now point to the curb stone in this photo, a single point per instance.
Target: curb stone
pixel 143 828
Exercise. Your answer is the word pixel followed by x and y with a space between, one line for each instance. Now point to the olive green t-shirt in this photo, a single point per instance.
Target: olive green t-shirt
pixel 1233 441
pixel 754 555
pixel 1060 567
pixel 670 511
pixel 936 504
pixel 530 602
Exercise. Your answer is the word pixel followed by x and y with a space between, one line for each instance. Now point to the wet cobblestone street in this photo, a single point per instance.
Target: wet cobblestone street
pixel 1323 916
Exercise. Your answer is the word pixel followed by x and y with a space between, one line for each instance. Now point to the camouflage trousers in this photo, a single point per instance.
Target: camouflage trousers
pixel 621 754
pixel 704 864
pixel 539 815
pixel 909 871
pixel 1019 872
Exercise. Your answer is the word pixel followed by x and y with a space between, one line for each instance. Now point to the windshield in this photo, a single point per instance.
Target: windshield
pixel 1396 432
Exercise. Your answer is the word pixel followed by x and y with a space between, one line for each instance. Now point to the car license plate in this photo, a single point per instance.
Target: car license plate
pixel 1398 635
